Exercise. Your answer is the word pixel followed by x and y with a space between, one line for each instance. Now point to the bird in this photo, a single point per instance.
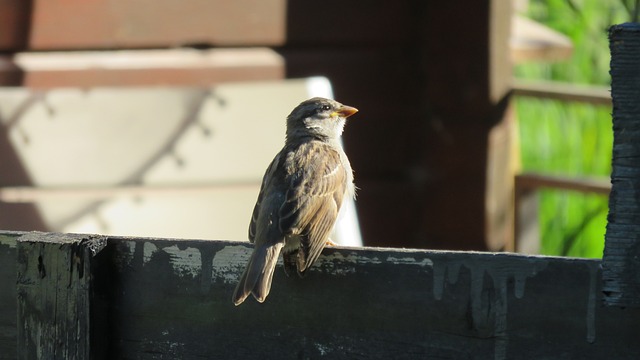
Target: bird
pixel 300 196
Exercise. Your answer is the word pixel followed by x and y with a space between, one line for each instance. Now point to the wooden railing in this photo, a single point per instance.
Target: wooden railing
pixel 591 94
pixel 526 191
pixel 527 185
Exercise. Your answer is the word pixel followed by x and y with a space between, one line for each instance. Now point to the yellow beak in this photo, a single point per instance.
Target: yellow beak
pixel 345 111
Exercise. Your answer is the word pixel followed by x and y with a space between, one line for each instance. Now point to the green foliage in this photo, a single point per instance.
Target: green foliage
pixel 571 138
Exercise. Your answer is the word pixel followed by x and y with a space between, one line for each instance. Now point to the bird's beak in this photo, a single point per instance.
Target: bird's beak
pixel 345 111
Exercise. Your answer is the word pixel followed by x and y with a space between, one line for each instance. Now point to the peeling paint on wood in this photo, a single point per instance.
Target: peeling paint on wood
pixel 8 238
pixel 367 303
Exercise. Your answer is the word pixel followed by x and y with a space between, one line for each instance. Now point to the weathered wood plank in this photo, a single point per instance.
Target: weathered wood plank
pixel 54 295
pixel 622 242
pixel 171 298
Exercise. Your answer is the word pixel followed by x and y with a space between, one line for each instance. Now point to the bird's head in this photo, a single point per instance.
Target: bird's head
pixel 320 118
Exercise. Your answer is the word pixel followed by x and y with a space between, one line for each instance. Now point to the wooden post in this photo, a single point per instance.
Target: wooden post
pixel 622 240
pixel 54 295
pixel 468 147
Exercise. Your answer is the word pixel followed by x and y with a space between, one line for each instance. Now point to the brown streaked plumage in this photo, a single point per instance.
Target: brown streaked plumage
pixel 301 194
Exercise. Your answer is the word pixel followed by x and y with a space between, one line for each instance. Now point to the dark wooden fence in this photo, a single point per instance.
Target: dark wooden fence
pixel 82 296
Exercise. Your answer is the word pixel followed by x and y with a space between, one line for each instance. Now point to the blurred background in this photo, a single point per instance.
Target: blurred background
pixel 483 125
pixel 569 138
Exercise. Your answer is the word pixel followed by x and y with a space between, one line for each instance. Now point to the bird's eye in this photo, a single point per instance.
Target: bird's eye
pixel 326 107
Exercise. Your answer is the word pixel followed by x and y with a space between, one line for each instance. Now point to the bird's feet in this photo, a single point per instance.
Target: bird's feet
pixel 330 242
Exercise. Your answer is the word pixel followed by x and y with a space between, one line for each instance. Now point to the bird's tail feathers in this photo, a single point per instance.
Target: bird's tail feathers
pixel 258 275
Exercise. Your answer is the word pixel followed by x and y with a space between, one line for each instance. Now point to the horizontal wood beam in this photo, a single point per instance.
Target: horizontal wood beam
pixel 109 24
pixel 526 232
pixel 597 95
pixel 22 194
pixel 534 181
pixel 169 298
pixel 174 67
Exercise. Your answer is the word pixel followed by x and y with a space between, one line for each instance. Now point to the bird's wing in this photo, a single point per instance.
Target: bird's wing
pixel 266 179
pixel 317 185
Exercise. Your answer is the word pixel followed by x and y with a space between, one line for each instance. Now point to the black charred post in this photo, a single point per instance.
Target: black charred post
pixel 621 261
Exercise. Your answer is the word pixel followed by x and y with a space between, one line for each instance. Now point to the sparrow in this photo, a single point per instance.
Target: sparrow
pixel 300 196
